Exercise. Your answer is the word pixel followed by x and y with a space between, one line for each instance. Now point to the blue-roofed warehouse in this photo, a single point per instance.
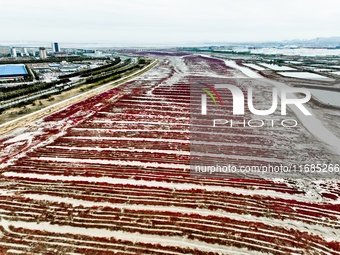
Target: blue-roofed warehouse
pixel 13 71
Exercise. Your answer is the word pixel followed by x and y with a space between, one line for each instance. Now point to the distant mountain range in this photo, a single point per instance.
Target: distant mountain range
pixel 319 41
pixel 325 42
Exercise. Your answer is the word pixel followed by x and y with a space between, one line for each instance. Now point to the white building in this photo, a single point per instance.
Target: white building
pixel 13 52
pixel 42 53
pixel 24 51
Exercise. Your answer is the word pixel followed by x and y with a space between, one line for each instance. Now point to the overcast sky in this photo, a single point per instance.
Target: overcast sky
pixel 167 21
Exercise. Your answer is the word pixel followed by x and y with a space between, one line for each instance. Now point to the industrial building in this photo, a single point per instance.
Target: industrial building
pixel 13 71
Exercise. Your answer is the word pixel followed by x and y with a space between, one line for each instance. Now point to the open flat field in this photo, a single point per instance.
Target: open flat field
pixel 111 175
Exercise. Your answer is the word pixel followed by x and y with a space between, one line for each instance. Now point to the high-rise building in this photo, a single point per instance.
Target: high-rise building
pixel 55 47
pixel 13 52
pixel 42 53
pixel 24 51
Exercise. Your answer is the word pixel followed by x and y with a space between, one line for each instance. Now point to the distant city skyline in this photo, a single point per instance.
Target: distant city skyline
pixel 170 22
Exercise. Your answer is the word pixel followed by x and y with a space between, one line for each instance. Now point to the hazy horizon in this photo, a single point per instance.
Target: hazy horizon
pixel 167 22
